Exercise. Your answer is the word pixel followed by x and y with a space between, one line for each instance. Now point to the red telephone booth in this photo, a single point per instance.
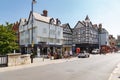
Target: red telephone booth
pixel 77 50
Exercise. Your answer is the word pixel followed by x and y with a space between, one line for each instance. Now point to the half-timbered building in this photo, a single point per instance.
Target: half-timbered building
pixel 67 37
pixel 85 35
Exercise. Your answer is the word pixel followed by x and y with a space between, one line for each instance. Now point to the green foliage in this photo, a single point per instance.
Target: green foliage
pixel 7 39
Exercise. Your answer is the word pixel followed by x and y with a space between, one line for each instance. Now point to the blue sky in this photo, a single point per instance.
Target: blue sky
pixel 106 12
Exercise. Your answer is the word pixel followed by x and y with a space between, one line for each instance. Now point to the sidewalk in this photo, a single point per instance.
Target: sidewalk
pixel 36 62
pixel 115 75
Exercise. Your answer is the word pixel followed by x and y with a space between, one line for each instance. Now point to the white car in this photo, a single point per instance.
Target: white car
pixel 118 51
pixel 83 54
pixel 95 51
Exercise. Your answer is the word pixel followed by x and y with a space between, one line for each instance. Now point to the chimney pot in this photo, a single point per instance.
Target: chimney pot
pixel 45 13
pixel 100 25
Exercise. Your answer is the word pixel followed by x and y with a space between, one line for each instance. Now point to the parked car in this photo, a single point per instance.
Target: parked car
pixel 95 51
pixel 118 51
pixel 83 54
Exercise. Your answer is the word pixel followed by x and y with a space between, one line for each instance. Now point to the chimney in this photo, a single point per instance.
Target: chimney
pixel 100 26
pixel 45 13
pixel 95 25
pixel 57 21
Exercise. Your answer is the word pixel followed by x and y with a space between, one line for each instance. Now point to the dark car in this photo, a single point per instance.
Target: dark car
pixel 83 54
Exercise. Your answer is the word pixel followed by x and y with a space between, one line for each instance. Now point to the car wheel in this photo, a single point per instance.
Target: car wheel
pixel 88 55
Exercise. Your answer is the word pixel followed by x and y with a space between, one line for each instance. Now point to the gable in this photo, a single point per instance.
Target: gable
pixel 90 24
pixel 66 28
pixel 79 25
pixel 22 22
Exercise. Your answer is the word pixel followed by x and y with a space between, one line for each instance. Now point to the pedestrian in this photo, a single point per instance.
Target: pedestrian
pixel 71 54
pixel 49 54
pixel 66 54
pixel 31 56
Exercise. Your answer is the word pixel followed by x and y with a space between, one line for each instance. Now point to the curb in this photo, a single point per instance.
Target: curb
pixel 115 75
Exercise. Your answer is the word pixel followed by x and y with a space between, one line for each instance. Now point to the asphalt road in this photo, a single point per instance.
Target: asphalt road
pixel 97 67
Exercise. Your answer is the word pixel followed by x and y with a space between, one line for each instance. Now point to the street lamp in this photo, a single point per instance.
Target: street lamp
pixel 33 2
pixel 32 43
pixel 99 33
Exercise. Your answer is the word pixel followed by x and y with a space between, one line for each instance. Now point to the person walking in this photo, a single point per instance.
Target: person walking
pixel 31 56
pixel 49 54
pixel 71 54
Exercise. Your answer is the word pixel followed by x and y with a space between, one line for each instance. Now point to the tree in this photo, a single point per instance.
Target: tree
pixel 7 39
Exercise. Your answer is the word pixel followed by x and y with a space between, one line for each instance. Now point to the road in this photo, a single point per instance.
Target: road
pixel 97 67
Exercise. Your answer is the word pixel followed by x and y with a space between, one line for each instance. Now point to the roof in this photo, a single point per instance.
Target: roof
pixel 38 16
pixel 87 18
pixel 23 21
pixel 41 18
pixel 65 25
pixel 104 30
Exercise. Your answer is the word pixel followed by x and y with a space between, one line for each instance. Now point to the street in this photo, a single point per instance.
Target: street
pixel 97 67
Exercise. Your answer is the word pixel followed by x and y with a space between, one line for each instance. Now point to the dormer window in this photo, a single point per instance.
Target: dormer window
pixel 58 22
pixel 51 21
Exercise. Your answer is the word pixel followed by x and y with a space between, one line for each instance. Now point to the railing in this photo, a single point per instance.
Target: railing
pixel 3 61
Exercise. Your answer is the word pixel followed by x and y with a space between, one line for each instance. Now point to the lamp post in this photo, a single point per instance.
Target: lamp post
pixel 32 43
pixel 99 33
pixel 33 2
pixel 100 40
